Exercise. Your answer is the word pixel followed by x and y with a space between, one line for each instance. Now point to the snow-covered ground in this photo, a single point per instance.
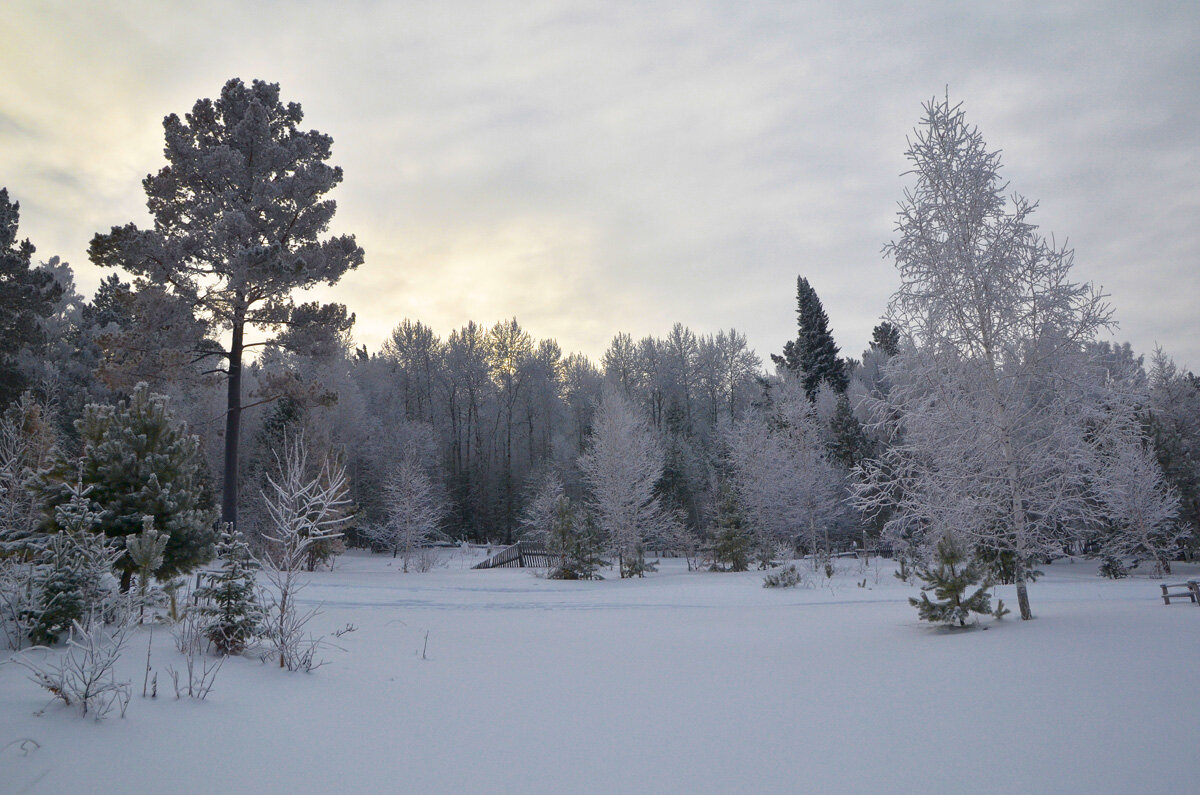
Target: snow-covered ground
pixel 679 682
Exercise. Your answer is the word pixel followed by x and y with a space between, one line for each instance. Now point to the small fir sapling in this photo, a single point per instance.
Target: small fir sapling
pixel 731 540
pixel 787 577
pixel 1002 565
pixel 171 588
pixel 146 551
pixel 1000 611
pixel 950 576
pixel 1113 568
pixel 576 544
pixel 229 604
pixel 60 599
pixel 69 574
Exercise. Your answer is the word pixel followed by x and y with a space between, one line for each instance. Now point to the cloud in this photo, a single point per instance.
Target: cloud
pixel 591 168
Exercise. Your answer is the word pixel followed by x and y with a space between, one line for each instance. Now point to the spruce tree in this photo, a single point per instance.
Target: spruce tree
pixel 71 568
pixel 850 444
pixel 885 338
pixel 229 604
pixel 576 544
pixel 731 538
pixel 813 355
pixel 950 576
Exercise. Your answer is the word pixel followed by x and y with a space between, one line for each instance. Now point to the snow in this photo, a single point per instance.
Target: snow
pixel 695 682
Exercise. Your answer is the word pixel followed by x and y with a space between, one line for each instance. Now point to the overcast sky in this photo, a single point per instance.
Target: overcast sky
pixel 594 167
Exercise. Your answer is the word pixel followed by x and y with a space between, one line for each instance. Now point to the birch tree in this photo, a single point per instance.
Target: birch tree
pixel 415 508
pixel 785 483
pixel 1139 510
pixel 621 469
pixel 984 405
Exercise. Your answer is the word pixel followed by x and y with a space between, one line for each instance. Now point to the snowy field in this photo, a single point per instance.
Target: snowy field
pixel 680 682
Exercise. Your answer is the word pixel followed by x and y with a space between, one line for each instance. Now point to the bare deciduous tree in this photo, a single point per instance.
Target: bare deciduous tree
pixel 304 510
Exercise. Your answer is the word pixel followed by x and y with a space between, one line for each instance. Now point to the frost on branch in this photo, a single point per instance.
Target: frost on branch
pixel 83 675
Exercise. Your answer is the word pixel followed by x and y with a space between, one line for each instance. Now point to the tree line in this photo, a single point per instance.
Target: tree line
pixel 984 408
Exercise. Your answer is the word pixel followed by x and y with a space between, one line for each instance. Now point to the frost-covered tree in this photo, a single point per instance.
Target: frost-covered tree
pixel 786 486
pixel 416 507
pixel 239 214
pixel 621 468
pixel 541 509
pixel 305 505
pixel 1174 423
pixel 27 296
pixel 138 462
pixel 27 448
pixel 304 510
pixel 985 402
pixel 1139 509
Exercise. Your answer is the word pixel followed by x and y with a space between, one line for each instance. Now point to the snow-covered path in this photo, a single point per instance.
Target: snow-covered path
pixel 676 683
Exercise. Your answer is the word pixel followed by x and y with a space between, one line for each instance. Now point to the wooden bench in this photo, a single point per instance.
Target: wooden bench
pixel 1179 590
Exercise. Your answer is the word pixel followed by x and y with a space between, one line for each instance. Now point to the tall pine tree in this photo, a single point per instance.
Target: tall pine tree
pixel 239 214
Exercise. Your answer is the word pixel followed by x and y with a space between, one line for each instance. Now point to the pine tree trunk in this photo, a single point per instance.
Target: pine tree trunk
pixel 233 426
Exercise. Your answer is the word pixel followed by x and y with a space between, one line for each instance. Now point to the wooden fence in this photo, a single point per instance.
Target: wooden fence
pixel 523 554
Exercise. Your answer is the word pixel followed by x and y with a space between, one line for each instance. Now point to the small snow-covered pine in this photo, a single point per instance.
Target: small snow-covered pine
pixel 951 576
pixel 228 603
